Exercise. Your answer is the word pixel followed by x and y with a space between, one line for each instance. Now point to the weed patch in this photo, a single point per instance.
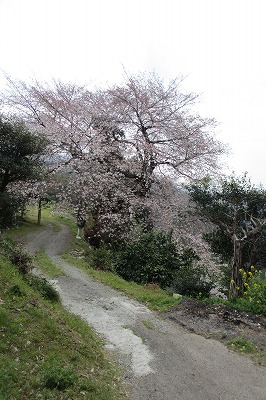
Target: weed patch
pixel 148 325
pixel 44 287
pixel 57 376
pixel 242 345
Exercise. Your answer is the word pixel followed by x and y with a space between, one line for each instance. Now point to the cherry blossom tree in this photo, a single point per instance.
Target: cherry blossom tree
pixel 171 213
pixel 116 144
pixel 162 134
pixel 36 193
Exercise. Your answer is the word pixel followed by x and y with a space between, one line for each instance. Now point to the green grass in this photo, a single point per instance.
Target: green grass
pixel 46 352
pixel 23 228
pixel 148 325
pixel 152 296
pixel 47 266
pixel 248 347
pixel 242 345
pixel 29 224
pixel 66 220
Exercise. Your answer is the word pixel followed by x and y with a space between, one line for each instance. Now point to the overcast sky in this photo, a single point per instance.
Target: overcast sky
pixel 218 44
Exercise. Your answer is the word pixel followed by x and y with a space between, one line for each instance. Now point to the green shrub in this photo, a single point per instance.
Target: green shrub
pixel 192 279
pixel 8 208
pixel 256 288
pixel 16 290
pixel 150 257
pixel 101 259
pixel 21 259
pixel 254 296
pixel 44 287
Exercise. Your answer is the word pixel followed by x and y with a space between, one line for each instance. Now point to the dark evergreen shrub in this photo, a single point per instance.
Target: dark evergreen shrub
pixel 192 279
pixel 151 257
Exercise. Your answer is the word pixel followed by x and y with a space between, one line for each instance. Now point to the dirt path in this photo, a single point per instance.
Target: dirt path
pixel 161 360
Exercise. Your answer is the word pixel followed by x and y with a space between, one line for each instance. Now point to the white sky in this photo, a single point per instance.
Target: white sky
pixel 218 44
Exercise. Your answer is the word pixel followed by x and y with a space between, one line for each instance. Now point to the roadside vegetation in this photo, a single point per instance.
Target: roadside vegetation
pixel 253 299
pixel 80 255
pixel 106 266
pixel 249 348
pixel 46 265
pixel 46 352
pixel 83 256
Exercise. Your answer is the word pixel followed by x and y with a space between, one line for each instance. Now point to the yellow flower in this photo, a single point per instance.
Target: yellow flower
pixel 240 270
pixel 250 273
pixel 246 284
pixel 237 288
pixel 252 267
pixel 232 281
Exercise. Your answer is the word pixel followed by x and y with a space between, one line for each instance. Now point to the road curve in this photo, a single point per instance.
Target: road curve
pixel 160 359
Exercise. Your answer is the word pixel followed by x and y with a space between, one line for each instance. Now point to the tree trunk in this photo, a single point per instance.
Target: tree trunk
pixel 236 283
pixel 39 211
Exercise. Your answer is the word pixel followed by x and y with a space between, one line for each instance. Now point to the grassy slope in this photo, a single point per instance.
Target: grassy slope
pixel 43 346
pixel 46 352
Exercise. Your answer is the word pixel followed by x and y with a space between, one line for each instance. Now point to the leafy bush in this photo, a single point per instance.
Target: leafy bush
pixel 17 256
pixel 150 257
pixel 44 287
pixel 16 290
pixel 8 208
pixel 21 259
pixel 192 279
pixel 254 296
pixel 101 259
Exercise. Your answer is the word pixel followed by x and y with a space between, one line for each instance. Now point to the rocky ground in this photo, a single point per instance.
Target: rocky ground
pixel 219 321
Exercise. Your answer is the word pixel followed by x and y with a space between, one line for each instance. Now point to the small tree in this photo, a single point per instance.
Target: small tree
pixel 21 160
pixel 238 210
pixel 8 207
pixel 20 153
